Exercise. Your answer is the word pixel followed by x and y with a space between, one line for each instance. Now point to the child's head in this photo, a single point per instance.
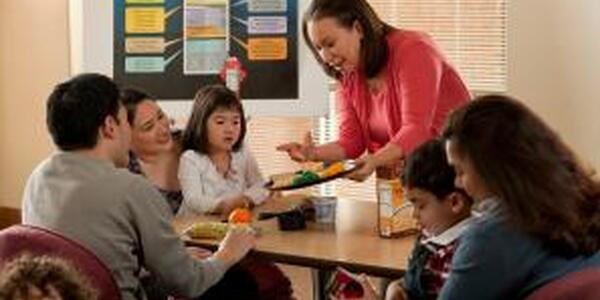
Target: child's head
pixel 217 122
pixel 43 277
pixel 429 185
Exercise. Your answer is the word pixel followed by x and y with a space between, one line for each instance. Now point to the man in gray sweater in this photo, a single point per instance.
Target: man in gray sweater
pixel 80 193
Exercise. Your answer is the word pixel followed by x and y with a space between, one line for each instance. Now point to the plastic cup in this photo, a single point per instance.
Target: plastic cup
pixel 325 209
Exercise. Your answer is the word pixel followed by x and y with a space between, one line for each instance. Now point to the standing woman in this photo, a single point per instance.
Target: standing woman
pixel 395 86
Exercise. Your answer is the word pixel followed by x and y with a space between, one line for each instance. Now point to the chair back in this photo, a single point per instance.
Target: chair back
pixel 580 285
pixel 21 239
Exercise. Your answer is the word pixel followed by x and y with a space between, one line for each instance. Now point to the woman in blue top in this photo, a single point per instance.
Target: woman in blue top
pixel 540 207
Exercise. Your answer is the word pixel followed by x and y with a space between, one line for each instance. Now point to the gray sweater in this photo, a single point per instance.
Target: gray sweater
pixel 118 216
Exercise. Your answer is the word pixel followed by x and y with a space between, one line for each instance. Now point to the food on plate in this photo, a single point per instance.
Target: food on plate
pixel 305 177
pixel 281 180
pixel 332 170
pixel 314 173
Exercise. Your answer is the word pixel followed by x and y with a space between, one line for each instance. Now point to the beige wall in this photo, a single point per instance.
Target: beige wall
pixel 33 57
pixel 554 66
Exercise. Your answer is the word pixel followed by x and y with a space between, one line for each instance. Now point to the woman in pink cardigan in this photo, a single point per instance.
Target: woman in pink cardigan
pixel 395 86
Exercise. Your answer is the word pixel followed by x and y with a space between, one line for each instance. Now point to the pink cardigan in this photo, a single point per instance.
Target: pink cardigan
pixel 421 89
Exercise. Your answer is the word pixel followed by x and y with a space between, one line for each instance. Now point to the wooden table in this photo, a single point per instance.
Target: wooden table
pixel 352 242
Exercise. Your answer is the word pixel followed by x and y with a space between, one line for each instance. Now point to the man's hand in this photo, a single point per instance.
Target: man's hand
pixel 236 244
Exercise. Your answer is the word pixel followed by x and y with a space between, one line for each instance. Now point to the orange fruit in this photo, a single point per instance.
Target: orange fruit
pixel 240 216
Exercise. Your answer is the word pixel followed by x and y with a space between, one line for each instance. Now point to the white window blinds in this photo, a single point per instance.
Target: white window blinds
pixel 266 133
pixel 342 188
pixel 472 35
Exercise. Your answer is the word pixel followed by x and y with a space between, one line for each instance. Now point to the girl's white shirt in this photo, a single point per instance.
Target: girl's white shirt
pixel 204 187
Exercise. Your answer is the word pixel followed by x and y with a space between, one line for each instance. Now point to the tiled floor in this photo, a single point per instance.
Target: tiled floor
pixel 301 281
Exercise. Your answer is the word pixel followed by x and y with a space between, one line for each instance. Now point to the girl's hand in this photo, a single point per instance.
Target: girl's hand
pixel 300 152
pixel 365 167
pixel 227 206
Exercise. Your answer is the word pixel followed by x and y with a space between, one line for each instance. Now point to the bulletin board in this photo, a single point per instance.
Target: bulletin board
pixel 171 48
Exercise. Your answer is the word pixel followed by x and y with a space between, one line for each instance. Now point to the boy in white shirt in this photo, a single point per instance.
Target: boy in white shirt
pixel 443 213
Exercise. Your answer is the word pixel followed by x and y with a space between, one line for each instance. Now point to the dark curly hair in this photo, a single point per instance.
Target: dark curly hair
pixel 46 274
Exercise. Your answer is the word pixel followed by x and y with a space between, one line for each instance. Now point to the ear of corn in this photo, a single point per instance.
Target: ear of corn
pixel 214 230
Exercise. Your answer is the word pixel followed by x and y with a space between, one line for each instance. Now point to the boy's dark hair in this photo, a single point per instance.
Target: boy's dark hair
pixel 131 97
pixel 43 272
pixel 373 46
pixel 547 192
pixel 77 108
pixel 207 100
pixel 427 168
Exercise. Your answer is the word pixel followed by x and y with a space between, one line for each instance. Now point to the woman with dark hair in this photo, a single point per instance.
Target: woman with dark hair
pixel 395 86
pixel 155 148
pixel 540 207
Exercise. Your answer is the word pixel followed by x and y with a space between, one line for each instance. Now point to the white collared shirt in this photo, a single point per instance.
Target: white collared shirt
pixel 204 187
pixel 451 234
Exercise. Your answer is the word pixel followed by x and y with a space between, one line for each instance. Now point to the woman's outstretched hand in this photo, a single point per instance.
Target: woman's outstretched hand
pixel 300 152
